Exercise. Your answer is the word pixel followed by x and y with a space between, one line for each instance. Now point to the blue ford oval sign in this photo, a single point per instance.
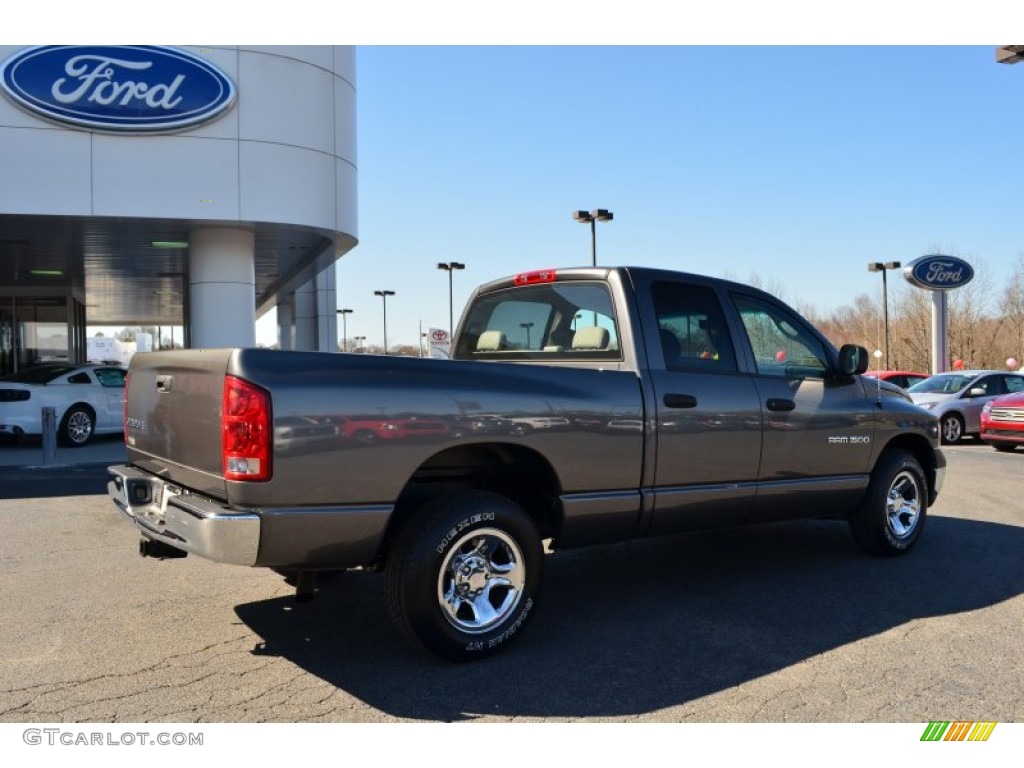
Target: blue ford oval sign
pixel 938 273
pixel 119 88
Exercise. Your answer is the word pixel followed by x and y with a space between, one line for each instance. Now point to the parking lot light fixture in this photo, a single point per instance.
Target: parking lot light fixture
pixel 451 267
pixel 344 328
pixel 384 296
pixel 591 218
pixel 884 267
pixel 527 327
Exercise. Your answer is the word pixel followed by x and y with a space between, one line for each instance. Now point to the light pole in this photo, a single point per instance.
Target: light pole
pixel 591 218
pixel 884 267
pixel 359 340
pixel 450 267
pixel 384 295
pixel 527 326
pixel 344 328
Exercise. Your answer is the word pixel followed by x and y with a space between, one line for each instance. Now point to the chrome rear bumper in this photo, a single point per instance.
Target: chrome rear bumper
pixel 174 516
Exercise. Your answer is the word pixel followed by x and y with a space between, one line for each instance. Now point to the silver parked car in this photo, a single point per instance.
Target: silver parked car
pixel 957 398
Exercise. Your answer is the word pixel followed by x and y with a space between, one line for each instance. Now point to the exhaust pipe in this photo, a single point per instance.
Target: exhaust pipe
pixel 159 550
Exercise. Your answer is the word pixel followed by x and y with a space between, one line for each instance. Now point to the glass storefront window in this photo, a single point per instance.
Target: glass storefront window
pixel 35 329
pixel 43 330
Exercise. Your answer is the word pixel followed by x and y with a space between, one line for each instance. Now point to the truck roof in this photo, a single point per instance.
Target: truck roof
pixel 555 274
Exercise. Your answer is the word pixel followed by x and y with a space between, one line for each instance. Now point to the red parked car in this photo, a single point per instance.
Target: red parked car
pixel 902 379
pixel 1002 422
pixel 370 430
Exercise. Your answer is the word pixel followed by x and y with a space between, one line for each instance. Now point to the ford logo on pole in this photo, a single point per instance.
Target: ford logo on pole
pixel 938 272
pixel 117 88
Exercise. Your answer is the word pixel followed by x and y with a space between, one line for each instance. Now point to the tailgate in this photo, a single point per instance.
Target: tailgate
pixel 173 416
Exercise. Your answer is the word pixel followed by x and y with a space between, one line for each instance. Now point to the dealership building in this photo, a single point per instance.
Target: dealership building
pixel 190 186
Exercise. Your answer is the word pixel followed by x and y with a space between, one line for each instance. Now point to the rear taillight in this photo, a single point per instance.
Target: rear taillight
pixel 124 406
pixel 245 431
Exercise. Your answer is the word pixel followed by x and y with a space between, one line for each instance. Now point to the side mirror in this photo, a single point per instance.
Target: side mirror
pixel 976 392
pixel 852 360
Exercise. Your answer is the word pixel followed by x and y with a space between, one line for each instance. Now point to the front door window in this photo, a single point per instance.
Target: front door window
pixel 782 346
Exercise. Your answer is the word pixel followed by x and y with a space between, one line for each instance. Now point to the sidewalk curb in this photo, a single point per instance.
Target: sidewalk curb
pixel 89 465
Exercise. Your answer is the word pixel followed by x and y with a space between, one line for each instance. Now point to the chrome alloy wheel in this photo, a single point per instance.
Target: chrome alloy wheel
pixel 481 581
pixel 79 427
pixel 903 505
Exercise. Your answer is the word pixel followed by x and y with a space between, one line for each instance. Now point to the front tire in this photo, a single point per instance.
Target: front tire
pixel 891 516
pixel 952 428
pixel 77 426
pixel 463 576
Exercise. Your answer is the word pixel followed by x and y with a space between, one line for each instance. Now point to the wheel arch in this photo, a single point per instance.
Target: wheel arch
pixel 516 472
pixel 922 450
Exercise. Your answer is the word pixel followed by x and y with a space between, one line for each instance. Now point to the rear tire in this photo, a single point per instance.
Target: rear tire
pixel 891 516
pixel 76 428
pixel 463 576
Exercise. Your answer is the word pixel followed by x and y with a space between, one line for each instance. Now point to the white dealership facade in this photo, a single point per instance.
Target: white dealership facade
pixel 129 199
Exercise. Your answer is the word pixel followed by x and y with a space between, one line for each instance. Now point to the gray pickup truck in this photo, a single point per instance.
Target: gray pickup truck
pixel 582 406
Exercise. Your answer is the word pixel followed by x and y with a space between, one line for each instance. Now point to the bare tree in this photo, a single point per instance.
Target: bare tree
pixel 968 308
pixel 129 334
pixel 910 329
pixel 858 324
pixel 405 350
pixel 773 286
pixel 1010 332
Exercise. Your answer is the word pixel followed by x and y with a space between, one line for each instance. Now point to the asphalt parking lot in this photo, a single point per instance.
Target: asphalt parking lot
pixel 786 623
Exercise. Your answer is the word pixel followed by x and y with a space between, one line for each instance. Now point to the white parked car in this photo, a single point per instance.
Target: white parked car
pixel 87 400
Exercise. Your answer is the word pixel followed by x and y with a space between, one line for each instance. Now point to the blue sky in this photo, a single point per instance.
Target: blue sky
pixel 795 140
pixel 798 164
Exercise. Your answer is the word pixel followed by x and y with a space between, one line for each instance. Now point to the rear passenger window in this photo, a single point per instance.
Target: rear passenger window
pixel 692 329
pixel 782 345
